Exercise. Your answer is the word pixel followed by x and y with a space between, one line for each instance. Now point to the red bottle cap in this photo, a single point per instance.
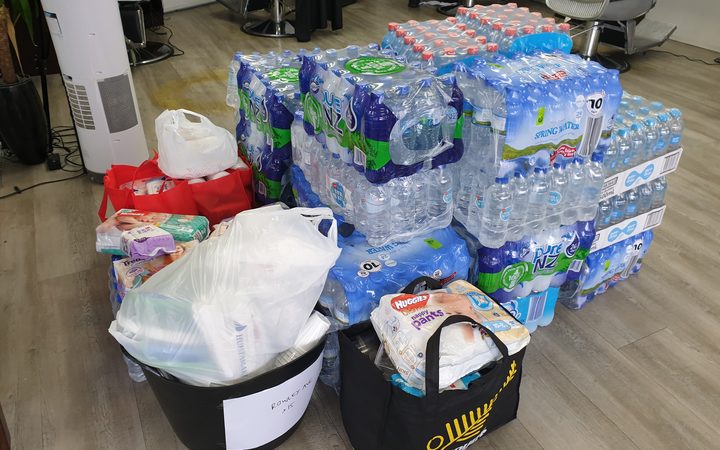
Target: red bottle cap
pixel 527 29
pixel 481 40
pixel 491 47
pixel 427 56
pixel 449 51
pixel 510 31
pixel 564 27
pixel 418 48
pixel 451 19
pixel 473 50
pixel 497 26
pixel 392 26
pixel 409 40
pixel 547 28
pixel 470 33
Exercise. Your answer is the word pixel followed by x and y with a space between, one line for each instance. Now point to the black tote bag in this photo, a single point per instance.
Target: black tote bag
pixel 380 416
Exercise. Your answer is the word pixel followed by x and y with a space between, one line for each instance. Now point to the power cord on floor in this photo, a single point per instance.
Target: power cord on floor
pixel 18 190
pixel 169 33
pixel 63 139
pixel 716 62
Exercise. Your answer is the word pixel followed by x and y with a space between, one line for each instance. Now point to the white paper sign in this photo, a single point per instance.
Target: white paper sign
pixel 262 417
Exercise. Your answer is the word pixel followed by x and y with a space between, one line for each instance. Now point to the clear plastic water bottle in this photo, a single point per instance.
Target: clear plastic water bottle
pixel 638 147
pixel 651 136
pixel 624 152
pixel 633 204
pixel 232 97
pixel 134 370
pixel 663 142
pixel 439 192
pixel 576 182
pixel 297 138
pixel 373 213
pixel 496 214
pixel 619 204
pixel 676 128
pixel 594 179
pixel 538 199
pixel 659 186
pixel 604 211
pixel 402 205
pixel 556 196
pixel 520 186
pixel 645 194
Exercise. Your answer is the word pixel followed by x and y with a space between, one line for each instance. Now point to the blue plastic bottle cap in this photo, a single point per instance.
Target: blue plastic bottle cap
pixel 657 106
pixel 280 97
pixel 675 112
pixel 578 160
pixel 425 82
pixel 335 155
pixel 662 117
pixel 540 170
pixel 403 90
pixel 336 72
pixel 299 115
pixel 622 132
pixel 518 173
pixel 558 164
pixel 619 118
pixel 650 122
pixel 501 180
pixel 597 157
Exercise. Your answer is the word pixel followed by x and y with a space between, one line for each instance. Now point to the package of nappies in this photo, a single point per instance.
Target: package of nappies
pixel 132 272
pixel 147 242
pixel 405 322
pixel 183 228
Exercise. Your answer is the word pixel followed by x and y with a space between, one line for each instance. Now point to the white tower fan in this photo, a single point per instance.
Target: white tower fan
pixel 90 46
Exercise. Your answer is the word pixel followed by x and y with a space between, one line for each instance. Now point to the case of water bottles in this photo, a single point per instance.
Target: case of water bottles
pixel 481 30
pixel 379 116
pixel 264 89
pixel 606 267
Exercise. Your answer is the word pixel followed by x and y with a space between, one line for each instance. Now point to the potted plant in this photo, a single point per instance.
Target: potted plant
pixel 23 128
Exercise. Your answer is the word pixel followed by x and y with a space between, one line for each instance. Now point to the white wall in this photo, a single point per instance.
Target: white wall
pixel 174 5
pixel 698 21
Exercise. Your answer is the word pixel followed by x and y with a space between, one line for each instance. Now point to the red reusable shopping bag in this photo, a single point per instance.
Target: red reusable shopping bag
pixel 221 198
pixel 215 199
pixel 178 200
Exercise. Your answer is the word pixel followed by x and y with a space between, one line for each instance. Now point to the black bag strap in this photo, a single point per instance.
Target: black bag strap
pixel 430 284
pixel 432 353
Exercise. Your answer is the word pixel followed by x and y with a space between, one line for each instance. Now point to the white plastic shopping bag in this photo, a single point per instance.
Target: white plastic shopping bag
pixel 192 149
pixel 224 311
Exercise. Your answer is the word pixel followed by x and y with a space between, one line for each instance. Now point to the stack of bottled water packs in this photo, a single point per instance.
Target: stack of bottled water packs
pixel 535 131
pixel 374 141
pixel 481 30
pixel 264 88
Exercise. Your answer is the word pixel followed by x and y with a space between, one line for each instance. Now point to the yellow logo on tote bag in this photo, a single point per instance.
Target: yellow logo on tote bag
pixel 469 427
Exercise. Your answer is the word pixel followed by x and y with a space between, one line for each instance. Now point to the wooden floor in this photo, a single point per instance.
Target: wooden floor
pixel 637 368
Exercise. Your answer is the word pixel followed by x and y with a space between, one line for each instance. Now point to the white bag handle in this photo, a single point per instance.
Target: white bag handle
pixel 181 116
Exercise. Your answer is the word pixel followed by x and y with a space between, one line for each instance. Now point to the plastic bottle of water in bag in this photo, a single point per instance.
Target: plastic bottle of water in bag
pixel 645 194
pixel 538 199
pixel 576 183
pixel 496 214
pixel 232 98
pixel 594 178
pixel 676 128
pixel 659 186
pixel 518 216
pixel 556 196
pixel 619 205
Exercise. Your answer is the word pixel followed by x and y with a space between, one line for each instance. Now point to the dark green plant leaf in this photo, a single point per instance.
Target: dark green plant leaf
pixel 23 9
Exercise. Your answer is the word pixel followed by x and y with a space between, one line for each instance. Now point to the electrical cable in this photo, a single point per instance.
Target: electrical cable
pixel 169 32
pixel 18 190
pixel 65 139
pixel 714 63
